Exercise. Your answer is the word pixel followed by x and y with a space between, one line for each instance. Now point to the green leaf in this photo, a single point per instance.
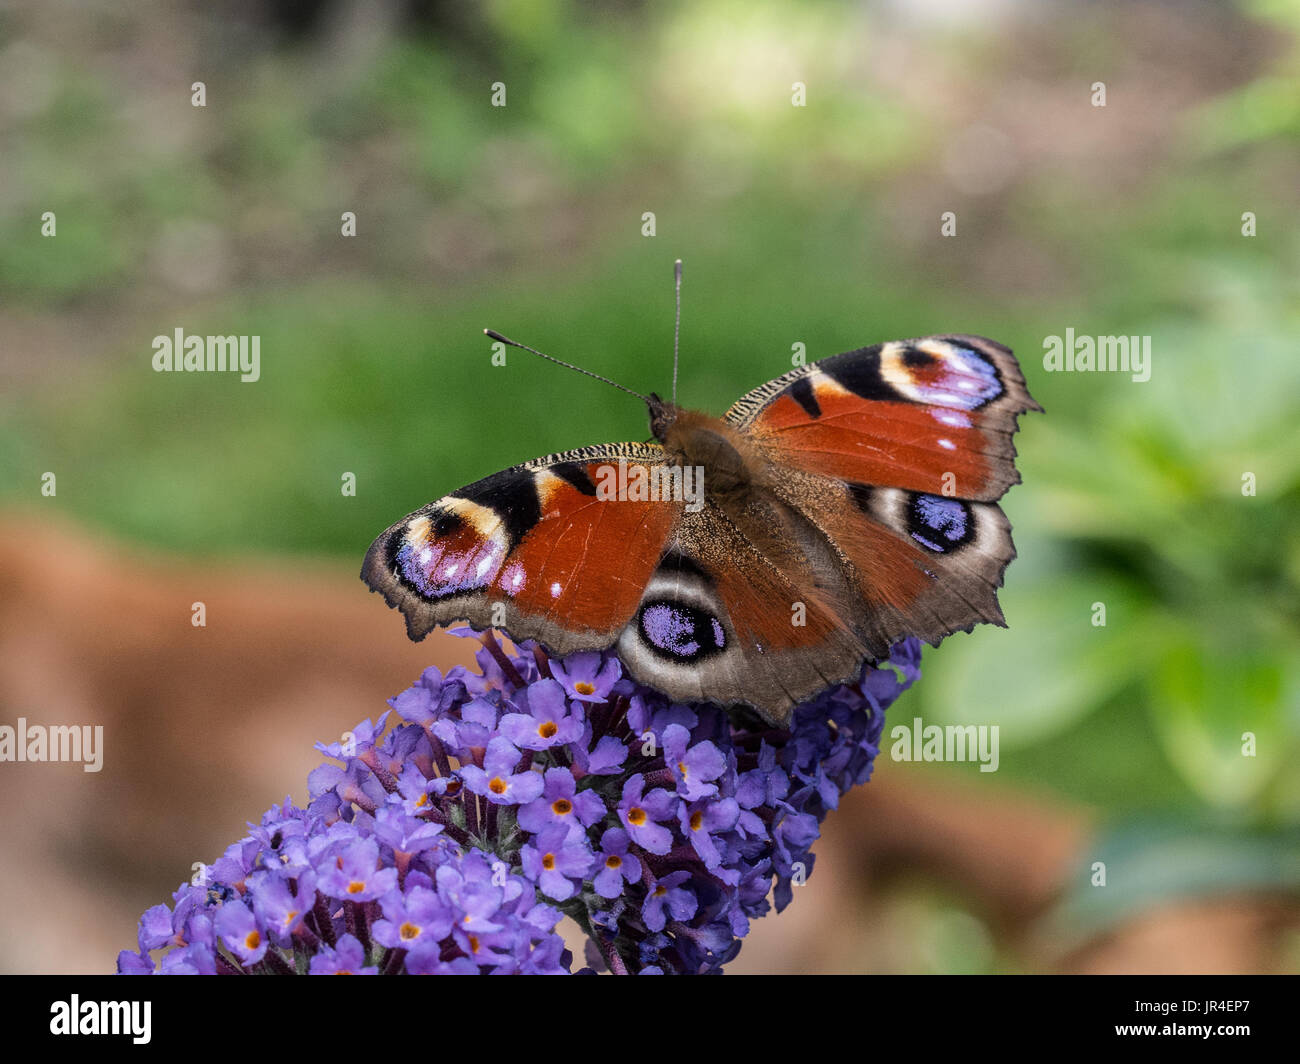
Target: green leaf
pixel 1219 712
pixel 1048 669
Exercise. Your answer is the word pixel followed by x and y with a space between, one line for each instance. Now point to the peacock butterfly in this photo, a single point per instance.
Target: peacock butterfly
pixel 845 505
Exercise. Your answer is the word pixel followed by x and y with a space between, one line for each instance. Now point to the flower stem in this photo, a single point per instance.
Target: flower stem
pixel 507 666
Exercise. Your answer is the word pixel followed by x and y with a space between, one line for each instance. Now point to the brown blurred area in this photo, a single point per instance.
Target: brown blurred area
pixel 205 728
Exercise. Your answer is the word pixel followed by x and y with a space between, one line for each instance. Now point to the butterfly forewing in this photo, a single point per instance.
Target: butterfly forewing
pixel 933 415
pixel 540 550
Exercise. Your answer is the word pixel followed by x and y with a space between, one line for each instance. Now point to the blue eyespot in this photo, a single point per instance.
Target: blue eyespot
pixel 940 524
pixel 681 632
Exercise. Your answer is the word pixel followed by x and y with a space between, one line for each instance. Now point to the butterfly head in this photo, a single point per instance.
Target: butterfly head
pixel 662 416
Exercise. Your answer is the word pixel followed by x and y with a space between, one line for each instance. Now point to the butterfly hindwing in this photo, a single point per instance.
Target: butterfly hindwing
pixel 726 618
pixel 919 564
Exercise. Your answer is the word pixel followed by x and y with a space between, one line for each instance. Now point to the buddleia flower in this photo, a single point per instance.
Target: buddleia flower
pixel 452 834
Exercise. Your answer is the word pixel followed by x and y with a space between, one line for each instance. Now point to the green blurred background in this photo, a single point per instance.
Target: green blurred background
pixel 817 224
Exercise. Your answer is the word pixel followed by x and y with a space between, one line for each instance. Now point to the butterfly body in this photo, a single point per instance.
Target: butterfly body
pixel 845 506
pixel 699 440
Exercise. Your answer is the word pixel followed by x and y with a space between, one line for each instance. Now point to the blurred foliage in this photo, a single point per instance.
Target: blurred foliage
pixel 1149 861
pixel 816 224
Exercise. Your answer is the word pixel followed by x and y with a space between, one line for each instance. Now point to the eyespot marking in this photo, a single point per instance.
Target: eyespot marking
pixel 940 524
pixel 680 632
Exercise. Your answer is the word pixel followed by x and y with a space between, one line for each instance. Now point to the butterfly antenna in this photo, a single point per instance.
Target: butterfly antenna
pixel 677 328
pixel 567 365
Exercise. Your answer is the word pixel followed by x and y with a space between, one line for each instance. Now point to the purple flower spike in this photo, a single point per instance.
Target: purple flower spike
pixel 196 959
pixel 239 933
pixel 428 698
pixel 130 962
pixel 472 890
pixel 500 800
pixel 155 928
pixel 427 960
pixel 280 907
pixel 705 824
pixel 694 767
pixel 363 739
pixel 414 919
pixel 606 759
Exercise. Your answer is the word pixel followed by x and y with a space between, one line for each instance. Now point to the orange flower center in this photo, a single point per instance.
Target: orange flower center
pixel 497 785
pixel 253 940
pixel 548 862
pixel 613 861
pixel 356 887
pixel 636 816
pixel 584 688
pixel 697 818
pixel 547 728
pixel 408 931
pixel 562 807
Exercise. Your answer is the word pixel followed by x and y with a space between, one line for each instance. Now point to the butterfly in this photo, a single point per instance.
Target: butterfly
pixel 749 560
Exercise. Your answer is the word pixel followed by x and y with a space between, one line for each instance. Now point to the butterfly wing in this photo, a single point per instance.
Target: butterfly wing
pixel 696 605
pixel 538 549
pixel 727 617
pixel 873 518
pixel 934 415
pixel 897 455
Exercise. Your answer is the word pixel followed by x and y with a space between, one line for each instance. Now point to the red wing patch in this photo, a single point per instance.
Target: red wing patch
pixel 587 561
pixel 933 415
pixel 759 602
pixel 538 536
pixel 873 442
